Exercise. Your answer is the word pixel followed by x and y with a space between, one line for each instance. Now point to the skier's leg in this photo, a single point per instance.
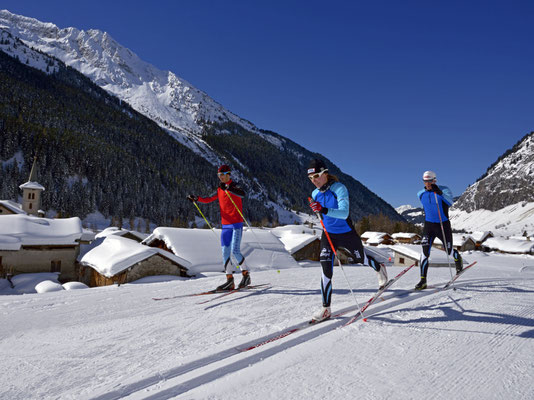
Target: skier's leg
pixel 327 263
pixel 226 236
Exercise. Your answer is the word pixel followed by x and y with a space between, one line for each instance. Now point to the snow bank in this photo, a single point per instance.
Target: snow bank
pixel 74 286
pixel 48 286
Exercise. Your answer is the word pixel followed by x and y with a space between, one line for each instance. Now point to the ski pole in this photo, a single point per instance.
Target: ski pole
pixel 445 246
pixel 244 219
pixel 207 222
pixel 335 253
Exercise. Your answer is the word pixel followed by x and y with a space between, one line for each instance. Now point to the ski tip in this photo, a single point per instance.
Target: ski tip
pixel 364 320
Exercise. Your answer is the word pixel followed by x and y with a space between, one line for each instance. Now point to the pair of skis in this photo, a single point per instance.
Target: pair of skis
pixel 304 325
pixel 215 291
pixel 392 281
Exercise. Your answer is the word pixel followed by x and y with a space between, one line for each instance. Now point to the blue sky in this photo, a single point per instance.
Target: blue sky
pixel 384 89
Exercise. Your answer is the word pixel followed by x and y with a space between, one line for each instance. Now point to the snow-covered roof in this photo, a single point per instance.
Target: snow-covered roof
pixel 509 245
pixel 113 230
pixel 459 239
pixel 404 235
pixel 480 236
pixel 115 254
pixel 295 237
pixel 32 185
pixel 202 247
pixel 30 230
pixel 13 206
pixel 371 234
pixel 10 242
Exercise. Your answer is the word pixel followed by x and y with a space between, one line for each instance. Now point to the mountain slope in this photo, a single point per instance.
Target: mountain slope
pixel 271 167
pixel 508 181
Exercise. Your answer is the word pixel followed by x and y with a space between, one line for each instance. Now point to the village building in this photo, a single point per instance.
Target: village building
pixel 8 207
pixel 30 244
pixel 406 255
pixel 125 233
pixel 202 248
pixel 31 193
pixel 376 238
pixel 480 237
pixel 511 246
pixel 303 243
pixel 118 260
pixel 406 238
pixel 462 242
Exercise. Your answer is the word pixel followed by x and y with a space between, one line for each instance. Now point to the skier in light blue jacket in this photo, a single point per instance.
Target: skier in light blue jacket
pixel 436 201
pixel 331 200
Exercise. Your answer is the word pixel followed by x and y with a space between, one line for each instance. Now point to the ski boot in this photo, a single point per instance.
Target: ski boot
pixel 321 315
pixel 382 276
pixel 458 262
pixel 228 285
pixel 245 281
pixel 421 285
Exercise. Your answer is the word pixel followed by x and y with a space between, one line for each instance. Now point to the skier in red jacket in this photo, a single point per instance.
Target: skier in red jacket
pixel 230 197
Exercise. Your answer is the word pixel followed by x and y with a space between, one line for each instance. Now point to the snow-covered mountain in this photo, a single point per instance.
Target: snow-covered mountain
pixel 508 181
pixel 162 96
pixel 414 215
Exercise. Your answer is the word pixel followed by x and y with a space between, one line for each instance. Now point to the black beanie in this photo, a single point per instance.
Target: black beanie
pixel 316 166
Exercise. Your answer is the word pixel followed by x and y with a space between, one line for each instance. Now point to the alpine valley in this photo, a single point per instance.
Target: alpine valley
pixel 115 135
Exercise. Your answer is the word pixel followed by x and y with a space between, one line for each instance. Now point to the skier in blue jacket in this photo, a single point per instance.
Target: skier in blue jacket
pixel 436 201
pixel 331 200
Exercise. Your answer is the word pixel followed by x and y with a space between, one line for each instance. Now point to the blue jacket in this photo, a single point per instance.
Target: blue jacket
pixel 428 200
pixel 336 199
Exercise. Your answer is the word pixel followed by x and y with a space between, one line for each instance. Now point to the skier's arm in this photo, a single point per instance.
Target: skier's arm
pixel 342 195
pixel 208 199
pixel 447 195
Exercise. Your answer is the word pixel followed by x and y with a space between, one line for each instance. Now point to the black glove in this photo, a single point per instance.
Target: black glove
pixel 436 189
pixel 192 198
pixel 224 186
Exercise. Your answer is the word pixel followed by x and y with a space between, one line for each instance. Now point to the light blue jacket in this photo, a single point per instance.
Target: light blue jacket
pixel 444 201
pixel 336 199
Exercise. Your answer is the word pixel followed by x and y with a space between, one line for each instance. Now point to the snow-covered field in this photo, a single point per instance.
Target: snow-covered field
pixel 117 342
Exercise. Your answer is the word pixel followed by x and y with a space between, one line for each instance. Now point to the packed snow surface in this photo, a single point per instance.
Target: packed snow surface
pixel 117 342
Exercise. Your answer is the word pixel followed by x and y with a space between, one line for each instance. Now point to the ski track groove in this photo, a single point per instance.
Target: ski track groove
pixel 194 374
pixel 453 381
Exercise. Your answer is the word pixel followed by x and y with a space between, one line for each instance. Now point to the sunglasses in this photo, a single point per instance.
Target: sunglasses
pixel 223 173
pixel 317 176
pixel 428 180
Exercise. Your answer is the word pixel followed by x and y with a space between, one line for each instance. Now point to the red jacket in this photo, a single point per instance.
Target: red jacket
pixel 229 214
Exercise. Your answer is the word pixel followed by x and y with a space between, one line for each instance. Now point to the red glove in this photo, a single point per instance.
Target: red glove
pixel 317 207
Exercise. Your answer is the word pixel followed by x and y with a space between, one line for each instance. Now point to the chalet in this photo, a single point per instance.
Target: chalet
pixel 30 244
pixel 125 233
pixel 511 246
pixel 120 260
pixel 463 242
pixel 8 207
pixel 406 238
pixel 301 242
pixel 202 247
pixel 480 237
pixel 375 238
pixel 406 255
